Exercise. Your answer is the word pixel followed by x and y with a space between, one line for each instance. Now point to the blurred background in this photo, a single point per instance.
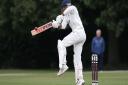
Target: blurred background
pixel 19 50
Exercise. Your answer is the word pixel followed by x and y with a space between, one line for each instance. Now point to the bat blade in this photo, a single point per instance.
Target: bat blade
pixel 41 28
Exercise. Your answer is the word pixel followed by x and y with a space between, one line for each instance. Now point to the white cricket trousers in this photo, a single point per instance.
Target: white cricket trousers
pixel 77 39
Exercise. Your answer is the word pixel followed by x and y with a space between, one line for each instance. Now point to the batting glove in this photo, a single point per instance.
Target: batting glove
pixel 55 24
pixel 59 19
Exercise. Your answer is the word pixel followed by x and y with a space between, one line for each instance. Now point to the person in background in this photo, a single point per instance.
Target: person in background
pixel 98 47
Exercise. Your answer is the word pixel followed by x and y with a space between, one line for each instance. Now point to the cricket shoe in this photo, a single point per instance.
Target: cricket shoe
pixel 80 82
pixel 62 70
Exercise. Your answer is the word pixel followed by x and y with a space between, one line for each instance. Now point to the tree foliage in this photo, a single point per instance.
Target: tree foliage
pixel 113 13
pixel 17 18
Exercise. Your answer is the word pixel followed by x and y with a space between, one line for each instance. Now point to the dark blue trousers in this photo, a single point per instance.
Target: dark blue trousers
pixel 100 61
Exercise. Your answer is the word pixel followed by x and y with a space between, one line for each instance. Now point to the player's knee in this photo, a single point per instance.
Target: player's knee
pixel 60 45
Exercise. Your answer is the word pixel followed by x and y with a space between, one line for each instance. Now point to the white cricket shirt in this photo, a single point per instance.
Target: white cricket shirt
pixel 71 17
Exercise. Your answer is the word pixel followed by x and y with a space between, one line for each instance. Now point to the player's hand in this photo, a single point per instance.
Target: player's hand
pixel 55 24
pixel 59 19
pixel 35 27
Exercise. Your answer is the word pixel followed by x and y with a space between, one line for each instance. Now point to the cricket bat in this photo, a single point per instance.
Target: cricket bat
pixel 41 29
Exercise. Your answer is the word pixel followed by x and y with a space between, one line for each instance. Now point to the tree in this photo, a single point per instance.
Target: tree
pixel 113 16
pixel 17 18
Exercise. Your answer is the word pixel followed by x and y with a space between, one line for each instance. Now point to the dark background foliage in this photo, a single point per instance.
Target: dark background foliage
pixel 18 49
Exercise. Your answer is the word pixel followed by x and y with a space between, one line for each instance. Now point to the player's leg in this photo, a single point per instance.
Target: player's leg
pixel 62 53
pixel 62 58
pixel 78 63
pixel 69 40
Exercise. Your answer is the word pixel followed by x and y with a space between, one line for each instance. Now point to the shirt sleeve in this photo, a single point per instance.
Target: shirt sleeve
pixel 64 22
pixel 69 10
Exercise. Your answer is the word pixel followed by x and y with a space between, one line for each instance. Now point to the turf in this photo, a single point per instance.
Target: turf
pixel 45 77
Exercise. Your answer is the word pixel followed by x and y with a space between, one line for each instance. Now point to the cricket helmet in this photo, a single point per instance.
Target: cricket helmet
pixel 65 3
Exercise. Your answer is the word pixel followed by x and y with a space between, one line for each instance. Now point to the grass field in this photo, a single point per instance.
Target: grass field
pixel 45 77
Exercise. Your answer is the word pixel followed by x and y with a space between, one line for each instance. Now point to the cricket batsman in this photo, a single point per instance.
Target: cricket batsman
pixel 77 37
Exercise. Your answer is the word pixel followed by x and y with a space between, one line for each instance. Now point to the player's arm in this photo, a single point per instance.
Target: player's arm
pixel 60 22
pixel 69 10
pixel 60 25
pixel 56 23
pixel 64 23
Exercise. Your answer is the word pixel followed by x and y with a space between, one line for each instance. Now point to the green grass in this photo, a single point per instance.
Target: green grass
pixel 45 77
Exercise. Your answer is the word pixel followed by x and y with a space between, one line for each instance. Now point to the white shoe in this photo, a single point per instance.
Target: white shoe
pixel 80 82
pixel 62 70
